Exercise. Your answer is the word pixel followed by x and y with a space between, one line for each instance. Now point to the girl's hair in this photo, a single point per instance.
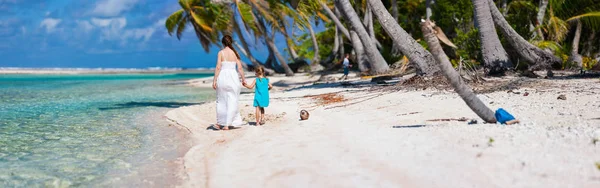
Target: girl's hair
pixel 260 71
pixel 228 42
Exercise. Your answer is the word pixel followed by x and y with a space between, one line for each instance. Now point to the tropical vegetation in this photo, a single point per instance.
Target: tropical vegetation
pixel 497 36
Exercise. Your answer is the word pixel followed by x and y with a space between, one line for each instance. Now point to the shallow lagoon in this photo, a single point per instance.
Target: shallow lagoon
pixel 82 130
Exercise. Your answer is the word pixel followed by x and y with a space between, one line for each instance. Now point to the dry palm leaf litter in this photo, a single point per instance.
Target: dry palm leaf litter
pixel 328 98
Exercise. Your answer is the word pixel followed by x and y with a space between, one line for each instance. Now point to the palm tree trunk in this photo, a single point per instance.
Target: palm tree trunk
pixel 495 58
pixel 316 57
pixel 341 51
pixel 271 45
pixel 334 50
pixel 395 10
pixel 335 19
pixel 575 56
pixel 368 22
pixel 504 8
pixel 245 48
pixel 537 57
pixel 359 50
pixel 289 43
pixel 424 61
pixel 428 11
pixel 463 90
pixel 540 18
pixel 378 64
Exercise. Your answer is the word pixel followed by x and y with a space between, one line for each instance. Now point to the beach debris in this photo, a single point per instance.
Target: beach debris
pixel 526 94
pixel 514 92
pixel 473 121
pixel 408 113
pixel 450 119
pixel 490 142
pixel 595 141
pixel 328 98
pixel 562 97
pixel 598 165
pixel 479 155
pixel 503 117
pixel 304 115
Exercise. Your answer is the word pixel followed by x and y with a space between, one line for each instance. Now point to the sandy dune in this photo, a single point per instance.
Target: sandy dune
pixel 381 138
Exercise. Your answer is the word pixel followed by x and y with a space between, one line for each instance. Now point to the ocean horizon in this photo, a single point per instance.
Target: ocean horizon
pixel 92 129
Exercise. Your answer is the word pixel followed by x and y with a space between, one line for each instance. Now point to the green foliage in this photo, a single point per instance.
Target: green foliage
pixel 450 15
pixel 521 14
pixel 468 44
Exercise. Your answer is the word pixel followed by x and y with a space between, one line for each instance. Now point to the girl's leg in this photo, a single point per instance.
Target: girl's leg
pixel 262 115
pixel 257 115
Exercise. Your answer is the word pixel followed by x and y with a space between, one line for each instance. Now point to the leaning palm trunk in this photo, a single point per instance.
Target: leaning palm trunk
pixel 424 61
pixel 395 10
pixel 359 50
pixel 428 11
pixel 463 90
pixel 575 56
pixel 315 60
pixel 280 58
pixel 273 48
pixel 335 18
pixel 378 64
pixel 537 57
pixel 495 58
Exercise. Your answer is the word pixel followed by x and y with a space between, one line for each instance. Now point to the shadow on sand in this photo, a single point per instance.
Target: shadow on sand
pixel 409 126
pixel 211 127
pixel 149 104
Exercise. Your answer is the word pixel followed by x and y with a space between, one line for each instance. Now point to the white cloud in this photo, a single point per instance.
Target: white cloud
pixel 84 25
pixel 111 22
pixel 50 24
pixel 111 8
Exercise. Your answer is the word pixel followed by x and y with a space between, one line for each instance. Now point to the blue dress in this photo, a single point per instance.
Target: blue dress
pixel 261 92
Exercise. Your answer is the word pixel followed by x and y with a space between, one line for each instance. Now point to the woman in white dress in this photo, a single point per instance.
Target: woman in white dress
pixel 228 85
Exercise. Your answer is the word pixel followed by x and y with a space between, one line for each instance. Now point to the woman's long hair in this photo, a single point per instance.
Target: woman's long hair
pixel 228 42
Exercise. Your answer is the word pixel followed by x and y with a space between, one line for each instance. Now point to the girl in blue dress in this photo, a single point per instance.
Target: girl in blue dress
pixel 261 94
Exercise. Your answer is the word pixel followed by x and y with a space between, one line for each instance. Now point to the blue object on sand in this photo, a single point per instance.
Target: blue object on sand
pixel 502 116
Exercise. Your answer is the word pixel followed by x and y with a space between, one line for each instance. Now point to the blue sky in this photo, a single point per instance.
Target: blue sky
pixel 98 33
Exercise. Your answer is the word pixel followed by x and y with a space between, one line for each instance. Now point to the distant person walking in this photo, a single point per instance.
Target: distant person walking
pixel 346 64
pixel 228 85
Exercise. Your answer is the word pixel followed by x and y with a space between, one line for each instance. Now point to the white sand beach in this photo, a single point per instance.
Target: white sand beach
pixel 365 136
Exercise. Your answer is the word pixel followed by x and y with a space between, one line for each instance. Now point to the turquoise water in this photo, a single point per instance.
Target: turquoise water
pixel 87 130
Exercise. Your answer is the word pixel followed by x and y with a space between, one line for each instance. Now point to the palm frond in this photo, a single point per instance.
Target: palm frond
pixel 173 20
pixel 181 28
pixel 184 4
pixel 198 19
pixel 556 28
pixel 590 19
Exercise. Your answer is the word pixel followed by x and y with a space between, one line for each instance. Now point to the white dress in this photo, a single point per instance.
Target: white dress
pixel 228 92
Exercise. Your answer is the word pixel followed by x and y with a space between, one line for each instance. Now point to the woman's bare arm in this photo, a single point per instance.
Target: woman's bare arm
pixel 217 68
pixel 240 70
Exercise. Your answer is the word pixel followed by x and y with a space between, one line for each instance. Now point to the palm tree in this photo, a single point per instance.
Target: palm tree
pixel 529 52
pixel 378 64
pixel 495 57
pixel 581 13
pixel 423 60
pixel 207 19
pixel 463 90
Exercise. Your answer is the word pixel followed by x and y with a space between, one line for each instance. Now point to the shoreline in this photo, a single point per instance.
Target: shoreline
pixel 385 137
pixel 60 71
